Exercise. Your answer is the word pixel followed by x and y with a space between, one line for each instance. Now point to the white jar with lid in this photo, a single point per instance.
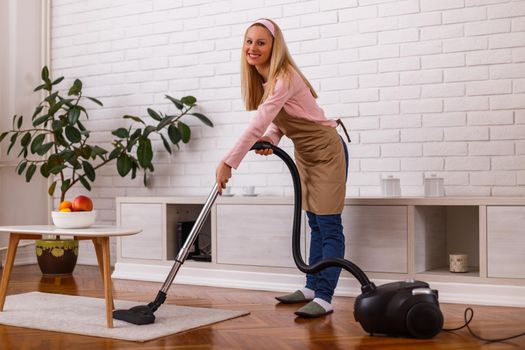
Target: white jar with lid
pixel 391 186
pixel 434 186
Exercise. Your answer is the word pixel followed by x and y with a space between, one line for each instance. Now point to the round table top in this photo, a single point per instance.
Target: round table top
pixel 92 231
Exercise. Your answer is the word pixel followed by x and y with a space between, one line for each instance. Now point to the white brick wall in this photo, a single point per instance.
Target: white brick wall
pixel 423 85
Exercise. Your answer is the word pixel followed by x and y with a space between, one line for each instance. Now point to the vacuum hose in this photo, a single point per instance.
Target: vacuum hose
pixel 366 284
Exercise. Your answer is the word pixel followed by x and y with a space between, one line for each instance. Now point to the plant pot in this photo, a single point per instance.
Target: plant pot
pixel 56 257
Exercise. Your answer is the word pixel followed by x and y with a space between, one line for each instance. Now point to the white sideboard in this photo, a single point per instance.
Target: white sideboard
pixel 249 240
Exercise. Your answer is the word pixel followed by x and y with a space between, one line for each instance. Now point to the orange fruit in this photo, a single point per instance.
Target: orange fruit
pixel 65 205
pixel 65 210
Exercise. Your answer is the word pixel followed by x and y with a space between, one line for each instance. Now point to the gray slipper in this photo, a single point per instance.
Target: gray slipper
pixel 293 298
pixel 312 310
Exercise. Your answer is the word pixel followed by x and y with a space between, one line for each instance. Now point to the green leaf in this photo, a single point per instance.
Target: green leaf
pixel 203 119
pixel 44 148
pixel 39 87
pixel 51 98
pixel 82 127
pixel 26 139
pixel 51 189
pixel 85 183
pixel 123 165
pixel 72 115
pixel 76 88
pixel 21 167
pixel 30 172
pixel 72 134
pixel 95 100
pixel 148 130
pixel 64 185
pixel 88 169
pixel 137 119
pixel 44 170
pixel 37 111
pixel 121 132
pixel 188 100
pixel 3 135
pixel 40 120
pixel 174 134
pixel 57 81
pixel 115 153
pixel 185 132
pixel 12 142
pixel 154 114
pixel 144 152
pixel 166 144
pixel 98 151
pixel 45 74
pixel 20 122
pixel 166 121
pixel 56 125
pixel 85 152
pixel 176 102
pixel 37 143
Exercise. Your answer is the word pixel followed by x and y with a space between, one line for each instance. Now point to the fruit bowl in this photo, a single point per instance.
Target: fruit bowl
pixel 73 219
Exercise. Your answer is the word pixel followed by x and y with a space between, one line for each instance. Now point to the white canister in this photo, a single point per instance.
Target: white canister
pixel 391 186
pixel 458 263
pixel 434 186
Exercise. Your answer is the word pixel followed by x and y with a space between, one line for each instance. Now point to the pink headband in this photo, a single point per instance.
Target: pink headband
pixel 269 25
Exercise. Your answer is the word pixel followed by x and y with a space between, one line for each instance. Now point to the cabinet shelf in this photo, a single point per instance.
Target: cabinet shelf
pixel 249 242
pixel 444 271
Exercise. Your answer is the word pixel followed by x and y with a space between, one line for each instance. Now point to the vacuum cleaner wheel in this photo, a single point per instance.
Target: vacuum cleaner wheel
pixel 424 320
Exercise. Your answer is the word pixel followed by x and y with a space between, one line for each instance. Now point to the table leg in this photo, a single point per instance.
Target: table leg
pixel 98 250
pixel 10 259
pixel 108 293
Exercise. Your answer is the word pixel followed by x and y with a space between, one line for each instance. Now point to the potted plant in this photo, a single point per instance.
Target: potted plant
pixel 57 144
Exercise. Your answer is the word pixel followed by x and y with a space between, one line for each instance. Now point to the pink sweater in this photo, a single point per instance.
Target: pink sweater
pixel 297 101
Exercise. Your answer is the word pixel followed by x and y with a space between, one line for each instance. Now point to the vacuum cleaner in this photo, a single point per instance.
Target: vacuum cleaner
pixel 407 308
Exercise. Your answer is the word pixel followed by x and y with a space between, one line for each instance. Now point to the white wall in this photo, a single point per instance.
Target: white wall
pixel 424 86
pixel 20 62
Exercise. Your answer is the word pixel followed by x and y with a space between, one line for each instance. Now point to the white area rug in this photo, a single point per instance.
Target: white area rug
pixel 87 316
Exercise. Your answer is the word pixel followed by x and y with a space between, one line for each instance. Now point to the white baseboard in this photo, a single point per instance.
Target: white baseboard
pixel 459 293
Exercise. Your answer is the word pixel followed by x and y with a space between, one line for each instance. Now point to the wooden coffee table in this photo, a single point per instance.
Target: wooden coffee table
pixel 98 234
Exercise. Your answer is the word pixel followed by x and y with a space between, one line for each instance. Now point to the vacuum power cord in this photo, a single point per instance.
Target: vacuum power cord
pixel 468 318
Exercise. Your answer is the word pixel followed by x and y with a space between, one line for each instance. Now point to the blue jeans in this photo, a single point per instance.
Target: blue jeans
pixel 327 241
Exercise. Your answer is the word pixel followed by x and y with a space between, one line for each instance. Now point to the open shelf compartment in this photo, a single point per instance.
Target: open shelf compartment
pixel 443 230
pixel 179 221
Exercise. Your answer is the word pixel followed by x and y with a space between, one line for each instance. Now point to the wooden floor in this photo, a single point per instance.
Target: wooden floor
pixel 269 326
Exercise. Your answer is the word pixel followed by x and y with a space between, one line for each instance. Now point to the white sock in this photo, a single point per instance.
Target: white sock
pixel 308 293
pixel 324 304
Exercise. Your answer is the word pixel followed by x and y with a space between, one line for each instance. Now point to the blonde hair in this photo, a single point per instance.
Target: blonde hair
pixel 281 66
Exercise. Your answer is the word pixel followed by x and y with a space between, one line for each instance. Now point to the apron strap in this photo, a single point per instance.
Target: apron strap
pixel 340 122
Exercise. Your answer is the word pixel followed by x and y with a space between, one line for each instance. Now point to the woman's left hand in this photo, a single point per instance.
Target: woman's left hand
pixel 222 174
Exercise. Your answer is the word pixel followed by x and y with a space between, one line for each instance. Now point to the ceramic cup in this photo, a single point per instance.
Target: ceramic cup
pixel 434 186
pixel 458 263
pixel 249 190
pixel 390 186
pixel 226 191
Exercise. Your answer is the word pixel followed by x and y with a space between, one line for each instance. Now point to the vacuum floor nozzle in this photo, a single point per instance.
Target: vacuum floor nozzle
pixel 140 315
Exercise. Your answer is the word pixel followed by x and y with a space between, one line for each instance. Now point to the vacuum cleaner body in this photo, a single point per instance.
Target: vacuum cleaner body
pixel 406 308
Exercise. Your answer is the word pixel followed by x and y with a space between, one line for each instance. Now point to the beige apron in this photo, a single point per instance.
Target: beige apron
pixel 320 158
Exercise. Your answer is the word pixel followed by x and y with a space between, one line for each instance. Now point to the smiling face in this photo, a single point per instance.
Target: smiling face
pixel 258 46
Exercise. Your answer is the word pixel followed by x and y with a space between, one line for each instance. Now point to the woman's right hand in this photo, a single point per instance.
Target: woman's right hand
pixel 266 151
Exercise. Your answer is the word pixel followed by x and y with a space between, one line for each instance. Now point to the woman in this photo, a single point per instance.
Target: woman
pixel 285 103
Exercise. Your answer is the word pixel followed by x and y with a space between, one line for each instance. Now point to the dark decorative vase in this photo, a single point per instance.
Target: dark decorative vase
pixel 57 257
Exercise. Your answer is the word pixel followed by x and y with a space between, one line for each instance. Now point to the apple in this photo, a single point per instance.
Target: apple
pixel 82 203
